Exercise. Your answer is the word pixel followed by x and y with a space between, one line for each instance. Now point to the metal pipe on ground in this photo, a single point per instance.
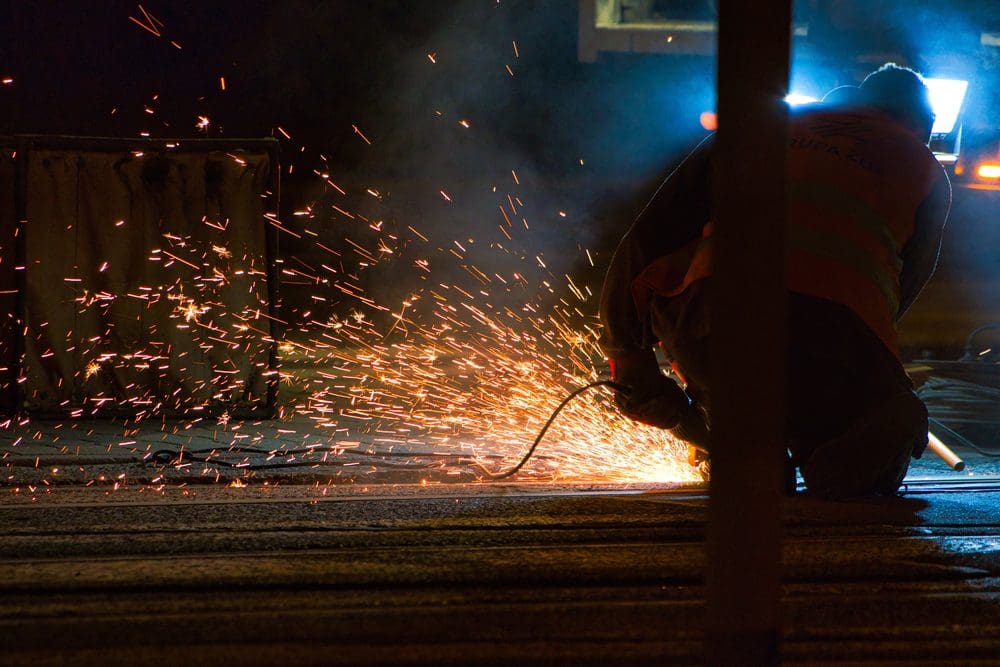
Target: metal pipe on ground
pixel 945 453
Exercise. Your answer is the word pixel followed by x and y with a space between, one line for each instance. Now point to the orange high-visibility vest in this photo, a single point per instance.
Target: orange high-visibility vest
pixel 855 181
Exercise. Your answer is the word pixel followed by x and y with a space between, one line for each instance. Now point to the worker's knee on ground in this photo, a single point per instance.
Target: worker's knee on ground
pixel 872 457
pixel 856 479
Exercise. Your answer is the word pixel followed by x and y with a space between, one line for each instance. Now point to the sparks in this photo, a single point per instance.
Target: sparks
pixel 361 134
pixel 463 351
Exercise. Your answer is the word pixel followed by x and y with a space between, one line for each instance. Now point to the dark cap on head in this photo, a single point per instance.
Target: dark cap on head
pixel 902 93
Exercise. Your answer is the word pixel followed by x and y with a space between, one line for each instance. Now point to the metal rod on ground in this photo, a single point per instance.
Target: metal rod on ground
pixel 747 378
pixel 944 452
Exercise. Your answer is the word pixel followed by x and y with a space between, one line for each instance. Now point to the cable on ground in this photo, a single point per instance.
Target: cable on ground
pixel 541 434
pixel 170 457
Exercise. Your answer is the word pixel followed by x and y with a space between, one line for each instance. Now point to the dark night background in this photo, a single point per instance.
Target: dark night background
pixel 317 69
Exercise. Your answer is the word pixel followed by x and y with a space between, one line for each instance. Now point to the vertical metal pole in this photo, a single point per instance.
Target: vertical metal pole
pixel 272 250
pixel 18 369
pixel 748 334
pixel 9 326
pixel 586 49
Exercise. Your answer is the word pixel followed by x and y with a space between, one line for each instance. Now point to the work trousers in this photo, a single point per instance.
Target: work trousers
pixel 838 371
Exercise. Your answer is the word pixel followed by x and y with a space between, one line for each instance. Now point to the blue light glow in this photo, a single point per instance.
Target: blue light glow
pixel 946 98
pixel 797 99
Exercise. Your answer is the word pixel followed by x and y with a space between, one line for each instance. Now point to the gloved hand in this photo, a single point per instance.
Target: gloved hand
pixel 692 428
pixel 649 396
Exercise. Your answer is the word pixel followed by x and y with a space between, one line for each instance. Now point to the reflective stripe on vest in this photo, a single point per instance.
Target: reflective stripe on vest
pixel 854 278
pixel 801 238
pixel 846 204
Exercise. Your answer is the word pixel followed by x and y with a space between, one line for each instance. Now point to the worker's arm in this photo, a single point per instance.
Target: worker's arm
pixel 672 218
pixel 920 255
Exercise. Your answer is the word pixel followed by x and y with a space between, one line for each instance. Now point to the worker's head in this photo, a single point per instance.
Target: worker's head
pixel 901 93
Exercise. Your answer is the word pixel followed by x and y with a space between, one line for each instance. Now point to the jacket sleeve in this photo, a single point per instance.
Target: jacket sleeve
pixel 675 216
pixel 920 255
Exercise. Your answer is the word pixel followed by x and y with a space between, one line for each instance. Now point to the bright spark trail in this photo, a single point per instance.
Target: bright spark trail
pixel 469 363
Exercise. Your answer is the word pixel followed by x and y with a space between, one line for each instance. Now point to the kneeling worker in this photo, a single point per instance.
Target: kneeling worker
pixel 867 207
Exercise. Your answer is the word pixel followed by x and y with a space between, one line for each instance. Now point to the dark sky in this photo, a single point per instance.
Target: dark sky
pixel 317 68
pixel 297 63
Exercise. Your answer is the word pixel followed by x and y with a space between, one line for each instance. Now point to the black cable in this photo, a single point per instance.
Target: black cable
pixel 541 434
pixel 165 456
pixel 962 401
pixel 168 457
pixel 965 441
pixel 970 354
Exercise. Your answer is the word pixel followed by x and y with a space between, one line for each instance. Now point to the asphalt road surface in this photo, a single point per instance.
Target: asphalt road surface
pixel 477 574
